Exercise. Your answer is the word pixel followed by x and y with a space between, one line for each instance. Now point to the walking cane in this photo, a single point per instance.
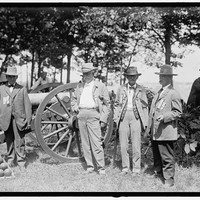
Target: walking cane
pixel 115 147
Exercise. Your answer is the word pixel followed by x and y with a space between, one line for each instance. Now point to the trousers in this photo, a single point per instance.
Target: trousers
pixel 15 141
pixel 90 132
pixel 130 127
pixel 164 161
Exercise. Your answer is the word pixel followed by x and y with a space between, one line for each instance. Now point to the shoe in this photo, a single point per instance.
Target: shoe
pixel 157 174
pixel 102 172
pixel 89 171
pixel 123 173
pixel 136 172
pixel 169 183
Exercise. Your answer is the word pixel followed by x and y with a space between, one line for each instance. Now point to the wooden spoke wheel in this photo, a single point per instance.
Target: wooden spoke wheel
pixel 56 126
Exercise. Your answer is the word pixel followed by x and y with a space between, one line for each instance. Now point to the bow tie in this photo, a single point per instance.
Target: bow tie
pixel 132 87
pixel 11 85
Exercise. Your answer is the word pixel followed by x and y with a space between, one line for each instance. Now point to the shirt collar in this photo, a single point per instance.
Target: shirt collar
pixel 90 83
pixel 130 87
pixel 11 85
pixel 165 87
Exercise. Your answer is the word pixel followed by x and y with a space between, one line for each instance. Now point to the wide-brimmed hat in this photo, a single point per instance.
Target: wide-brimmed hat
pixel 11 71
pixel 131 71
pixel 166 70
pixel 87 67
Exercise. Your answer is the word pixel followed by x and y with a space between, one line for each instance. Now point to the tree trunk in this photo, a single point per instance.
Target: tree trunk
pixel 69 55
pixel 39 67
pixel 167 44
pixel 61 74
pixel 33 66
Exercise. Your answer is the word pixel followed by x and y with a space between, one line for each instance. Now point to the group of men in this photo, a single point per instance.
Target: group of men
pixel 91 103
pixel 132 118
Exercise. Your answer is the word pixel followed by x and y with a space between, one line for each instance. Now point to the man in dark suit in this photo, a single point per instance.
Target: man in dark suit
pixel 194 96
pixel 166 108
pixel 15 117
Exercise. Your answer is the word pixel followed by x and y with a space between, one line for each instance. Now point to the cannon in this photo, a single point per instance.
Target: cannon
pixel 55 125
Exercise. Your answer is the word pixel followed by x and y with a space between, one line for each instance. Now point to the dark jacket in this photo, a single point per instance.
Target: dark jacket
pixel 169 105
pixel 16 104
pixel 194 96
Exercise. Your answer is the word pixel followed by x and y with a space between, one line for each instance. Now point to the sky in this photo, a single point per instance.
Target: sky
pixel 186 74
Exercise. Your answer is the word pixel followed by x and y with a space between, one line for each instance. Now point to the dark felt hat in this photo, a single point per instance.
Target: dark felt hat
pixel 166 70
pixel 131 71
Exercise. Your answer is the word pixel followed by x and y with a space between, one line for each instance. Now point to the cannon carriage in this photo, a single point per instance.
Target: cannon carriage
pixel 55 125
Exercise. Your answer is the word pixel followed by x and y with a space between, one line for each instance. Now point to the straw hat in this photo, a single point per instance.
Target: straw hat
pixel 87 67
pixel 166 70
pixel 11 71
pixel 132 71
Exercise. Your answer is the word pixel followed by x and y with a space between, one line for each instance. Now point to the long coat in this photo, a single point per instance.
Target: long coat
pixel 17 104
pixel 140 104
pixel 169 105
pixel 100 97
pixel 194 96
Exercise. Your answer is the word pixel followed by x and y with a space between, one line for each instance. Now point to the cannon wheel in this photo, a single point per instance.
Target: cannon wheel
pixel 37 90
pixel 56 126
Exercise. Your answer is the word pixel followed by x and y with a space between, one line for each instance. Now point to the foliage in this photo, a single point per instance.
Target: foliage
pixel 188 144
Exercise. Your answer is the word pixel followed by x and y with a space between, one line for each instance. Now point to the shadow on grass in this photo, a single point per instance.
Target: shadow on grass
pixel 31 156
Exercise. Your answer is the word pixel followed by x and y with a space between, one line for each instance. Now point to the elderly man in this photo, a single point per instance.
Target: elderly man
pixel 15 117
pixel 166 107
pixel 44 79
pixel 131 116
pixel 92 104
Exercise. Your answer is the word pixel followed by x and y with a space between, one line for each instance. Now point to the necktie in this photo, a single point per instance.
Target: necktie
pixel 159 93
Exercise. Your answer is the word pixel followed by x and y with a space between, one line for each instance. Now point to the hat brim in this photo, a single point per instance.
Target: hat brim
pixel 86 71
pixel 132 74
pixel 10 74
pixel 165 74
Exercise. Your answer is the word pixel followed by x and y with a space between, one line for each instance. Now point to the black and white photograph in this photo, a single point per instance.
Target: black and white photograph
pixel 99 99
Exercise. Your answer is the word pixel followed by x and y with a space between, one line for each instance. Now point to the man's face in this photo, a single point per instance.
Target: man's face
pixel 88 77
pixel 164 80
pixel 132 79
pixel 11 79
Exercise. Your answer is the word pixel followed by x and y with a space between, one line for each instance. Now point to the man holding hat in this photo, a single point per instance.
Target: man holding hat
pixel 15 117
pixel 166 107
pixel 92 104
pixel 130 117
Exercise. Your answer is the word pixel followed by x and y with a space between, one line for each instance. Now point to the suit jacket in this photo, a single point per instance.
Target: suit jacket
pixel 140 104
pixel 17 104
pixel 100 97
pixel 169 105
pixel 194 96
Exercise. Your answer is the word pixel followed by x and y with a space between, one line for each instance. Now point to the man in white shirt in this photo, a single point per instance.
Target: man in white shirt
pixel 44 79
pixel 92 104
pixel 130 116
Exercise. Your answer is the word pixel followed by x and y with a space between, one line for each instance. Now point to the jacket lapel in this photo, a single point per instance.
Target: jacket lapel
pixel 165 92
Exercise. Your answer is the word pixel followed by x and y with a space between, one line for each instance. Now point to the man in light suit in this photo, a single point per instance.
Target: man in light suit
pixel 131 116
pixel 91 102
pixel 15 117
pixel 166 108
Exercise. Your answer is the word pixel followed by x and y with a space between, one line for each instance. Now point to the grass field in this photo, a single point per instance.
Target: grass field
pixel 44 174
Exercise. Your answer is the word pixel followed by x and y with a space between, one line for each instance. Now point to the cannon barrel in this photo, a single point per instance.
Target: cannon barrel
pixel 37 98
